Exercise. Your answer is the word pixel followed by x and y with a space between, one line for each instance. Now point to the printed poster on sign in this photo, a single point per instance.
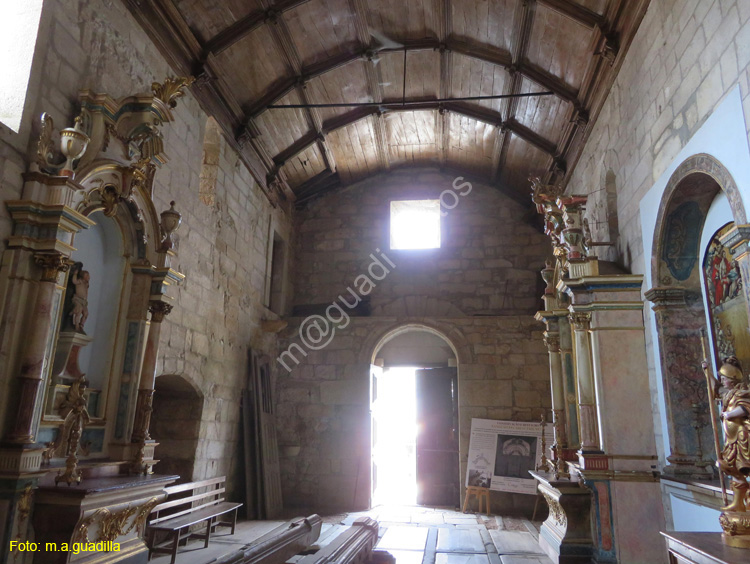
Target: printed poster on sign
pixel 501 453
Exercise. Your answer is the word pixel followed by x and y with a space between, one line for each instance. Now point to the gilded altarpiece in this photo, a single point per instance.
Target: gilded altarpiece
pixel 726 302
pixel 75 459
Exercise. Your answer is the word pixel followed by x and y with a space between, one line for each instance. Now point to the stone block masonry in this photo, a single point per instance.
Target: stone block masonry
pixel 480 290
pixel 96 44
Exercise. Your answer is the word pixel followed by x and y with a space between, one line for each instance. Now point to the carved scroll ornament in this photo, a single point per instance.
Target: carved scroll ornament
pixel 113 524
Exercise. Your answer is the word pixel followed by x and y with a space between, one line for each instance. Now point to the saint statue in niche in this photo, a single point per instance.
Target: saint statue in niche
pixel 76 301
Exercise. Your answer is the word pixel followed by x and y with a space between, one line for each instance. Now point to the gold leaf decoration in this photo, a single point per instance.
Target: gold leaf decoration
pixel 171 89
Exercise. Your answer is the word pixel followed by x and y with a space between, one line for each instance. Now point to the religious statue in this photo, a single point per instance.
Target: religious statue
pixel 735 417
pixel 734 458
pixel 75 422
pixel 76 302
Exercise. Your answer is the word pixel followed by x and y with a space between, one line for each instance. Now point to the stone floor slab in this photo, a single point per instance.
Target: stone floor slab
pixel 515 542
pixel 460 540
pixel 456 558
pixel 407 556
pixel 404 538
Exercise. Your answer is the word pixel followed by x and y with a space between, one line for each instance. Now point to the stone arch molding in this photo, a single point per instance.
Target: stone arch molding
pixel 452 336
pixel 702 163
pixel 675 297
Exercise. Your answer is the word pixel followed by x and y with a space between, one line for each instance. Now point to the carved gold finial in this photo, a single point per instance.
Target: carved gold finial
pixel 171 89
pixel 45 148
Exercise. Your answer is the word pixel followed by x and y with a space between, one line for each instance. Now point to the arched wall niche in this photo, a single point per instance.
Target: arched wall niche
pixel 176 421
pixel 678 305
pixel 120 251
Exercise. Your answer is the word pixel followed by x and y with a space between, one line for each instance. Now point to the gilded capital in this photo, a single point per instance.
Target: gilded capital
pixel 552 340
pixel 159 310
pixel 51 264
pixel 580 320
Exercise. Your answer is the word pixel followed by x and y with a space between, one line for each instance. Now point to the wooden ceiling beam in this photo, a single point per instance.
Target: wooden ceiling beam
pixel 531 137
pixel 472 112
pixel 374 81
pixel 478 52
pixel 283 39
pixel 321 183
pixel 442 125
pixel 299 146
pixel 581 14
pixel 550 82
pixel 246 25
pixel 165 26
pixel 615 35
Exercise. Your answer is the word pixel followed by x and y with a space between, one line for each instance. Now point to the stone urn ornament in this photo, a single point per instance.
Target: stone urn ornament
pixel 73 143
pixel 170 221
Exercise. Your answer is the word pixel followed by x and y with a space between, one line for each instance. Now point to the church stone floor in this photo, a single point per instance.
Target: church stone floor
pixel 412 534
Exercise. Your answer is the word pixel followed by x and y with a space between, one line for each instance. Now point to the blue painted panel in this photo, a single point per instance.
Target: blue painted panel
pixel 682 233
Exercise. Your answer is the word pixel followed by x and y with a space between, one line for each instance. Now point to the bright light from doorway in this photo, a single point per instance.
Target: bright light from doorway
pixel 415 224
pixel 395 418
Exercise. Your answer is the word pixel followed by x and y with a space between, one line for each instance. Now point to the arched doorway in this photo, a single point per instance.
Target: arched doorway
pixel 414 403
pixel 678 304
pixel 175 424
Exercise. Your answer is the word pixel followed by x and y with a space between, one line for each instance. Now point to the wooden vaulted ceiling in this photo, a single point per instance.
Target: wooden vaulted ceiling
pixel 249 54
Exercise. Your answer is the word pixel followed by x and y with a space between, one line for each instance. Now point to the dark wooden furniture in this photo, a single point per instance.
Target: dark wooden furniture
pixel 703 548
pixel 76 513
pixel 188 505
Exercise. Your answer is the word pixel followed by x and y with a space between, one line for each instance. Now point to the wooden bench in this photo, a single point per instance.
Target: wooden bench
pixel 186 506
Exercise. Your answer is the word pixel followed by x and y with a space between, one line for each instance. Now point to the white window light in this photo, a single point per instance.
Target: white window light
pixel 415 224
pixel 19 25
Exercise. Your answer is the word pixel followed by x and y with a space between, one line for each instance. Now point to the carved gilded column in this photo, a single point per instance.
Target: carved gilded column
pixel 143 408
pixel 589 431
pixel 31 374
pixel 552 340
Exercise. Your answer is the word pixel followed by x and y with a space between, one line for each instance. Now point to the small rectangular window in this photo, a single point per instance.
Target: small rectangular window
pixel 275 275
pixel 415 224
pixel 19 27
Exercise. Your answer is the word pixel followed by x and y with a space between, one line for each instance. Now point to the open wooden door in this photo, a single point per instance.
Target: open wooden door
pixel 437 437
pixel 375 373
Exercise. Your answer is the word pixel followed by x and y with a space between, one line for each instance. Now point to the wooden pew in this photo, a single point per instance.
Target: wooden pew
pixel 179 513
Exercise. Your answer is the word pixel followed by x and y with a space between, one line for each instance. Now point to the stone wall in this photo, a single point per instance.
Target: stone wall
pixel 479 291
pixel 686 56
pixel 96 44
pixel 488 263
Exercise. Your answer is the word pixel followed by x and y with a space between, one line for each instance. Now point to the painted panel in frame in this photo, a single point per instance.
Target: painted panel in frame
pixel 682 239
pixel 726 302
